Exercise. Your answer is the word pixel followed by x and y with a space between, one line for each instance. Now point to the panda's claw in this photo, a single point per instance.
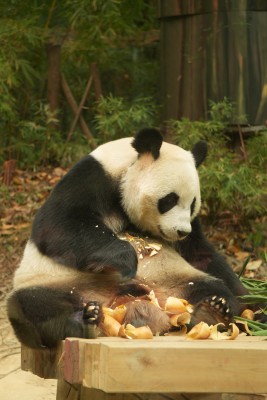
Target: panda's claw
pixel 220 305
pixel 91 312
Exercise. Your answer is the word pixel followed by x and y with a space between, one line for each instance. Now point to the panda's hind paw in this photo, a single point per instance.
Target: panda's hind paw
pixel 92 312
pixel 220 305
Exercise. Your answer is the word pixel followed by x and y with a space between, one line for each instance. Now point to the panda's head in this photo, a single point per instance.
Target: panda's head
pixel 160 190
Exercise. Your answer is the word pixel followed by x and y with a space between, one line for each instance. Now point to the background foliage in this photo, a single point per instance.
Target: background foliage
pixel 121 36
pixel 230 180
pixel 113 33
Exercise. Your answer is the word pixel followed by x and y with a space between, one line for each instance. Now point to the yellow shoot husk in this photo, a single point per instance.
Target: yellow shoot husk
pixel 177 306
pixel 110 326
pixel 231 334
pixel 244 325
pixel 117 313
pixel 204 331
pixel 199 331
pixel 131 332
pixel 248 314
pixel 181 332
pixel 153 298
pixel 181 319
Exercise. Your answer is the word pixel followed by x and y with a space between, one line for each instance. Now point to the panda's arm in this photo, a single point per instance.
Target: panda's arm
pixel 70 227
pixel 201 254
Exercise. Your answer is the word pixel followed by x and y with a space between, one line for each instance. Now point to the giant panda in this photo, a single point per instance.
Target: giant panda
pixel 75 261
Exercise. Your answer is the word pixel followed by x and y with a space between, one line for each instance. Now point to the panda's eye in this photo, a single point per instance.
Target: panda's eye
pixel 168 202
pixel 192 207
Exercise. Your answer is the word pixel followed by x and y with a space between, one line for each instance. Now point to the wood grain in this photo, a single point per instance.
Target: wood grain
pixel 161 365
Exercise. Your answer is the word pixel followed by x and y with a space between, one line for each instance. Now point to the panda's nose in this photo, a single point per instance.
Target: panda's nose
pixel 182 234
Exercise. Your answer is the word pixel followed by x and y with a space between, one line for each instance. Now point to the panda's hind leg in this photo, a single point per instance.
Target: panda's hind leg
pixel 213 309
pixel 213 302
pixel 41 317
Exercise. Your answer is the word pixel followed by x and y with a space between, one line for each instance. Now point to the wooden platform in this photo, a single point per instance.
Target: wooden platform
pixel 87 368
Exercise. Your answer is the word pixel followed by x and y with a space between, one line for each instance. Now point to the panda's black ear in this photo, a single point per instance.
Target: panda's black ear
pixel 148 140
pixel 199 151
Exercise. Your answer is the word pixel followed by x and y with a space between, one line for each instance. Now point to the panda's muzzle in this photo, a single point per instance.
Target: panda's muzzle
pixel 182 234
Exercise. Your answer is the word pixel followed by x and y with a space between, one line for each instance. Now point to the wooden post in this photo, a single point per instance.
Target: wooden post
pixel 44 363
pixel 66 391
pixel 8 171
pixel 96 81
pixel 73 105
pixel 53 80
pixel 79 109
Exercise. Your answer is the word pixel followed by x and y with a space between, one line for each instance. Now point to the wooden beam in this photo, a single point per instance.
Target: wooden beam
pixel 9 168
pixel 45 363
pixel 96 81
pixel 79 109
pixel 53 80
pixel 73 105
pixel 161 365
pixel 171 365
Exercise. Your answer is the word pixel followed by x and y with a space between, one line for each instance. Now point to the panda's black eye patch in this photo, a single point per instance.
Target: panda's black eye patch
pixel 168 202
pixel 192 207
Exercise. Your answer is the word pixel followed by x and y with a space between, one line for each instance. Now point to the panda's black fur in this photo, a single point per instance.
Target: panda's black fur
pixel 70 226
pixel 75 238
pixel 201 254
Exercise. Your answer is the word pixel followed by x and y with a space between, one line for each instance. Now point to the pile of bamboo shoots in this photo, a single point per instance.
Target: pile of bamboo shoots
pixel 179 312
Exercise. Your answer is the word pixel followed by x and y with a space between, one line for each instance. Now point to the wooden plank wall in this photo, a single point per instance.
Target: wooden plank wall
pixel 211 50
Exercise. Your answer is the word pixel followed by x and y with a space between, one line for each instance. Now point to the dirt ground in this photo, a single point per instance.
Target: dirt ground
pixel 21 201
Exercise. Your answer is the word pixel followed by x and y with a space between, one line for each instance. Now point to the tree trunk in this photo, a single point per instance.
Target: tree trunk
pixel 53 81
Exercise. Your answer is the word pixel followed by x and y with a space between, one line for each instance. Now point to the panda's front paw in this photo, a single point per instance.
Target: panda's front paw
pixel 126 261
pixel 220 305
pixel 92 313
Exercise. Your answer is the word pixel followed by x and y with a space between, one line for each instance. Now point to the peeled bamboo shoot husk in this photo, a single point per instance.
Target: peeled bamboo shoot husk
pixel 131 332
pixel 110 326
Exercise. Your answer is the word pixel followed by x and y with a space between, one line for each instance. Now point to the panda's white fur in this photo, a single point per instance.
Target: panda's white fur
pixel 144 180
pixel 75 257
pixel 38 269
pixel 178 176
pixel 119 154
